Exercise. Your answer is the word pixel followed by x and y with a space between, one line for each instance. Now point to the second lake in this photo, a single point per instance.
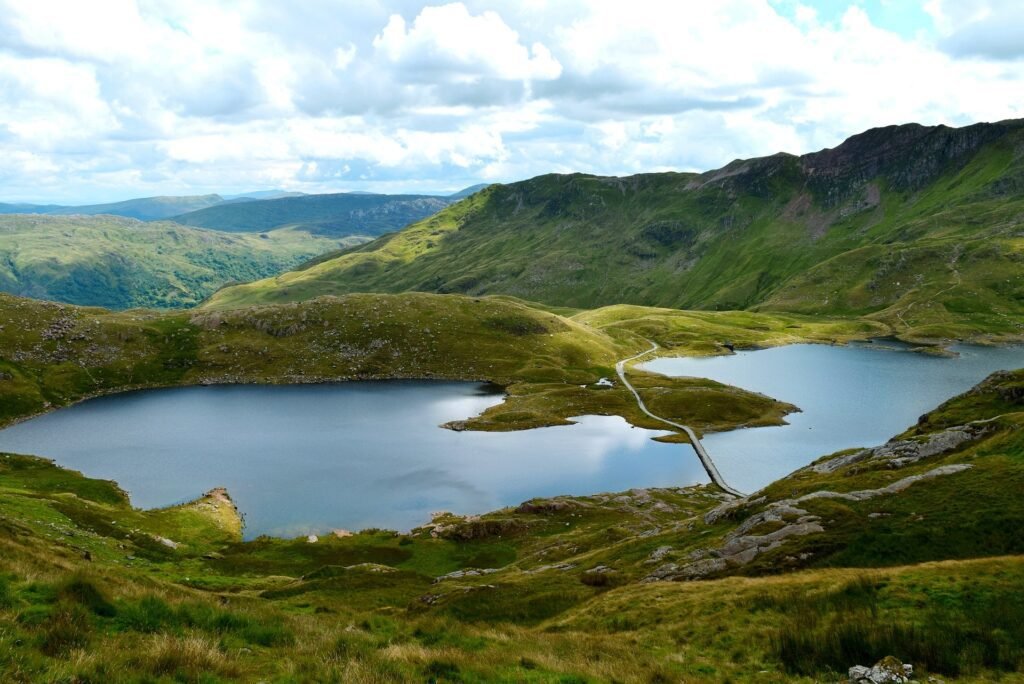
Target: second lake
pixel 850 396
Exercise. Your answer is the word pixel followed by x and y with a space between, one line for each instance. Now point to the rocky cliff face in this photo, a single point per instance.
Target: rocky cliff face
pixel 908 157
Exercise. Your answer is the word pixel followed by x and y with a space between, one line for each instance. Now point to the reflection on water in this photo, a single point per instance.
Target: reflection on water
pixel 309 458
pixel 850 396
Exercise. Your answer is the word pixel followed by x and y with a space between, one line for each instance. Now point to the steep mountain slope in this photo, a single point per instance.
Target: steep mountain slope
pixel 121 262
pixel 920 226
pixel 332 215
pixel 144 208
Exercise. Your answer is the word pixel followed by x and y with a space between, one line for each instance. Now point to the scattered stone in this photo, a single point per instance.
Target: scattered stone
pixel 167 542
pixel 371 567
pixel 341 534
pixel 659 554
pixel 888 670
pixel 722 510
pixel 546 506
pixel 557 566
pixel 468 572
pixel 466 530
pixel 312 539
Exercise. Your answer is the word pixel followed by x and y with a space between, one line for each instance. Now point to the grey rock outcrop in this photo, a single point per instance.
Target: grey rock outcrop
pixel 740 547
pixel 888 670
pixel 901 453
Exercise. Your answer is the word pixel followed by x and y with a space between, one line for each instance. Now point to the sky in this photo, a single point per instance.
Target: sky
pixel 111 99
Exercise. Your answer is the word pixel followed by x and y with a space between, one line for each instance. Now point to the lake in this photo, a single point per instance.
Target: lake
pixel 858 395
pixel 304 459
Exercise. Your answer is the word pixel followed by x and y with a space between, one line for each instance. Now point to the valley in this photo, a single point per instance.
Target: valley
pixel 123 263
pixel 172 252
pixel 473 381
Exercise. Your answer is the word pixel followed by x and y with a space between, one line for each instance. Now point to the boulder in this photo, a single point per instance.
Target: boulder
pixel 888 670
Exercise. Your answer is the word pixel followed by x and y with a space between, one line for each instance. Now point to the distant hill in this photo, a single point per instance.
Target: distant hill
pixel 28 208
pixel 466 192
pixel 120 262
pixel 918 226
pixel 261 195
pixel 337 214
pixel 144 208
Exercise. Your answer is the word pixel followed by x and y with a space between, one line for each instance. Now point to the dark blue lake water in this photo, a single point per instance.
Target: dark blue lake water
pixel 852 396
pixel 311 458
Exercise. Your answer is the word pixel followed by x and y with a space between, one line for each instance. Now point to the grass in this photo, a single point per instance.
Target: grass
pixel 54 355
pixel 980 633
pixel 930 250
pixel 122 263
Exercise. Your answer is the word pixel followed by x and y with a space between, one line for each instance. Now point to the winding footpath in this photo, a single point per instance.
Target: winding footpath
pixel 702 454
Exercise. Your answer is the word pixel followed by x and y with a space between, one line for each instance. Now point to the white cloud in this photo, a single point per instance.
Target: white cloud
pixel 450 42
pixel 343 56
pixel 128 97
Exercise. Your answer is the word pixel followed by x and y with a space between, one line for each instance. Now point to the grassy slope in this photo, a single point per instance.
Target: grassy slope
pixel 925 239
pixel 564 602
pixel 52 355
pixel 122 263
pixel 331 215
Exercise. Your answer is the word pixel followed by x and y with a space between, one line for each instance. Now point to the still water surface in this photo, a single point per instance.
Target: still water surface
pixel 311 458
pixel 852 396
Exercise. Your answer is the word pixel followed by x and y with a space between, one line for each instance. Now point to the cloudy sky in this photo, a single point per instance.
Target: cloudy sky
pixel 111 99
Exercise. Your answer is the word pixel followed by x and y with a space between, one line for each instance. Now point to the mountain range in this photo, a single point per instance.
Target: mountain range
pixel 918 226
pixel 326 207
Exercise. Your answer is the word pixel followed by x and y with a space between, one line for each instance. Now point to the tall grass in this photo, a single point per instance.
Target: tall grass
pixel 152 614
pixel 963 634
pixel 6 594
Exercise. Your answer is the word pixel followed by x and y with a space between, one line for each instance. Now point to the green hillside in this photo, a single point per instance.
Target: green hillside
pixel 52 355
pixel 912 549
pixel 122 263
pixel 339 214
pixel 916 226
